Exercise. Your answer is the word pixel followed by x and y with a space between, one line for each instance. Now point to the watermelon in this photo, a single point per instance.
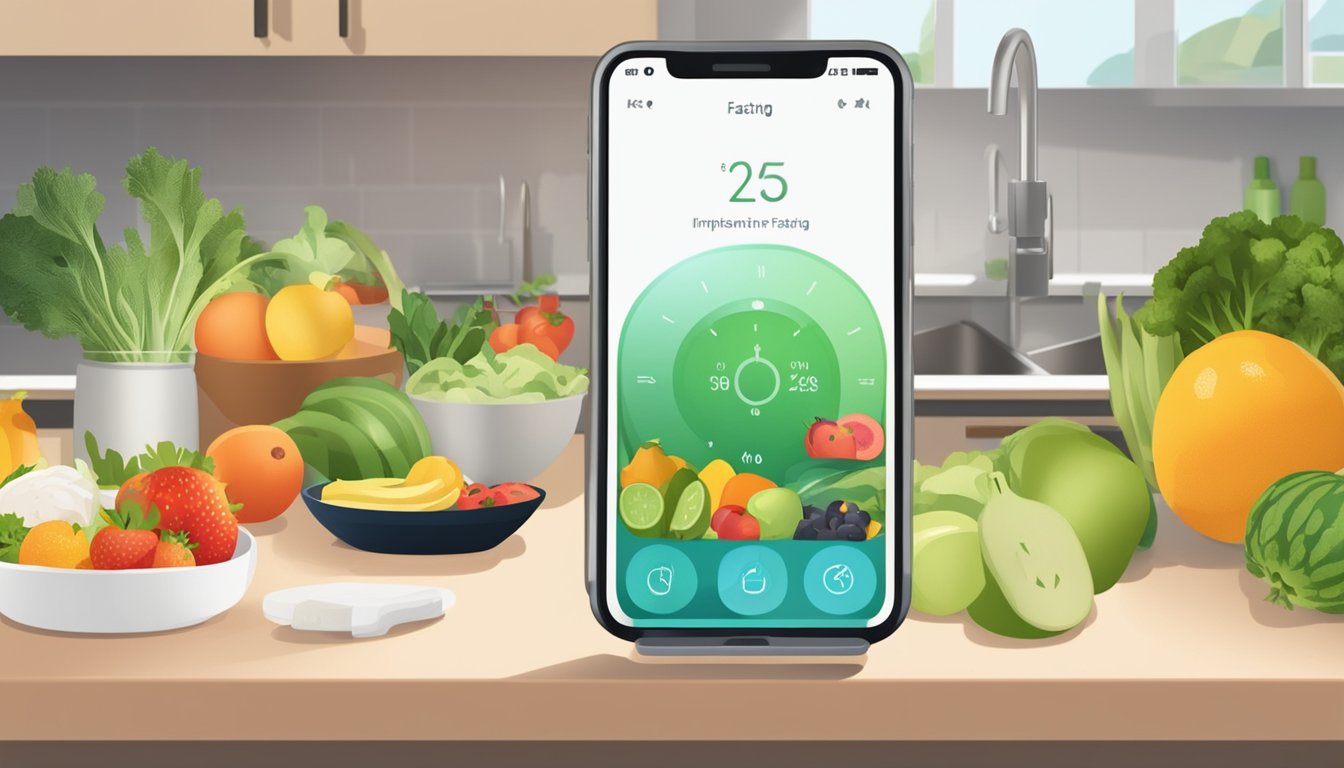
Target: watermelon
pixel 1295 541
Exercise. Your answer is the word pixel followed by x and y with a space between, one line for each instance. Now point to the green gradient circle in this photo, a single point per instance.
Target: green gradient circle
pixel 705 316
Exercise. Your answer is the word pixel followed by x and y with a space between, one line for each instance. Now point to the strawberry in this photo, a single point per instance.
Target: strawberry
pixel 174 551
pixel 189 500
pixel 129 540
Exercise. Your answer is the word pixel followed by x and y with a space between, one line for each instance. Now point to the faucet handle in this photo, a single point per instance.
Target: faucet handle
pixel 992 160
pixel 1050 233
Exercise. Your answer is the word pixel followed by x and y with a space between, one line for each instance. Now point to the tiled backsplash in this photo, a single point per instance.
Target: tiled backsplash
pixel 411 150
pixel 1132 182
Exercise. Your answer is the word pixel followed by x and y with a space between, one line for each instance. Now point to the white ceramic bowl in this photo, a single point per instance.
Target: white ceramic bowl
pixel 141 600
pixel 501 442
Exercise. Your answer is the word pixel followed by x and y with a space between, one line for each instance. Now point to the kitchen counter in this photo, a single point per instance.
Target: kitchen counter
pixel 1185 647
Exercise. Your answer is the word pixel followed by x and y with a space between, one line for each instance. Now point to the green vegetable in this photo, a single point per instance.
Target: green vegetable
pixel 309 251
pixel 125 303
pixel 111 470
pixel 367 253
pixel 1138 366
pixel 420 336
pixel 12 533
pixel 358 428
pixel 18 472
pixel 948 571
pixel 1295 541
pixel 1285 277
pixel 1036 559
pixel 865 487
pixel 962 484
pixel 533 289
pixel 523 374
pixel 1103 496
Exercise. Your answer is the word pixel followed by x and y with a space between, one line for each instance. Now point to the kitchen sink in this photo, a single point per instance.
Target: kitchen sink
pixel 966 349
pixel 1081 357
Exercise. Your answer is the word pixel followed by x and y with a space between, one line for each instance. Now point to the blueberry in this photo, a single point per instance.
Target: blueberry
pixel 838 508
pixel 819 523
pixel 805 532
pixel 858 517
pixel 850 533
pixel 834 522
pixel 827 535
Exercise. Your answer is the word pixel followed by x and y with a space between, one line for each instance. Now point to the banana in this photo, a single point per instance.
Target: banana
pixel 431 467
pixel 358 490
pixel 434 505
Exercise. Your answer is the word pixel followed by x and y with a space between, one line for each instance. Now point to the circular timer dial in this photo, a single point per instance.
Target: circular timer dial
pixel 732 354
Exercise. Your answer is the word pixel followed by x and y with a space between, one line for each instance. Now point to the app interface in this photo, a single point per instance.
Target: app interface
pixel 751 267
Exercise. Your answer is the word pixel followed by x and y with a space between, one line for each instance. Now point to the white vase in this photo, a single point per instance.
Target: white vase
pixel 130 405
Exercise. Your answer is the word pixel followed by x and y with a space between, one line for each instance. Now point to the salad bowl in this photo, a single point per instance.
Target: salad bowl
pixel 131 601
pixel 501 441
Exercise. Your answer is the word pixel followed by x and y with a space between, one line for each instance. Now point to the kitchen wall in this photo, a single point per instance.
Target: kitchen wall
pixel 1133 181
pixel 411 150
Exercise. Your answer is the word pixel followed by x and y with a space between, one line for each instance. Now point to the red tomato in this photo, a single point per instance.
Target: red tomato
pixel 540 323
pixel 516 492
pixel 480 496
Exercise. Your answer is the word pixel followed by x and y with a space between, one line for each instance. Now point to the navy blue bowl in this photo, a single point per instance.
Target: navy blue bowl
pixel 449 532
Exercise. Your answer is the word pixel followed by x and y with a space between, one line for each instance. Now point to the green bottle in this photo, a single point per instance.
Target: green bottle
pixel 1308 198
pixel 1262 196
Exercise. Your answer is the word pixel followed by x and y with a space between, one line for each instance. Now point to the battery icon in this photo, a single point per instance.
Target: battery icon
pixel 865 70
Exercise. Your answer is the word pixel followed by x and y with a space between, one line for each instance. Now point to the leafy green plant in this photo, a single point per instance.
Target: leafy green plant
pixel 420 336
pixel 12 534
pixel 132 302
pixel 1284 278
pixel 111 469
pixel 1138 366
pixel 532 289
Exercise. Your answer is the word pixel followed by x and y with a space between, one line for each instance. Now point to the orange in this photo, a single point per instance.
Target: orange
pixel 261 468
pixel 1239 413
pixel 233 326
pixel 741 488
pixel 55 544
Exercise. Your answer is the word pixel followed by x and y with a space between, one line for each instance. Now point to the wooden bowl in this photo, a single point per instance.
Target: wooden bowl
pixel 234 393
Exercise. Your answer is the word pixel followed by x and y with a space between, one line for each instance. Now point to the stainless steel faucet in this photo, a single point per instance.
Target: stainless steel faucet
pixel 1030 220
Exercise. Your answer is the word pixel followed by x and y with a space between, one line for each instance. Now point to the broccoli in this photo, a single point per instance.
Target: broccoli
pixel 1284 278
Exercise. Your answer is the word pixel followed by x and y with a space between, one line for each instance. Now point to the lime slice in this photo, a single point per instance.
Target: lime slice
pixel 641 508
pixel 690 518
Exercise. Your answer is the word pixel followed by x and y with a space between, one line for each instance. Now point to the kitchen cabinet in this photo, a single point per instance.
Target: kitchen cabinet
pixel 311 28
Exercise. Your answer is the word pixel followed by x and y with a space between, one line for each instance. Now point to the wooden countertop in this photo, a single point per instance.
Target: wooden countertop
pixel 1185 647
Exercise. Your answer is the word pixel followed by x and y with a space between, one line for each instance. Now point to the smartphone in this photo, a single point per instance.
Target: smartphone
pixel 749 447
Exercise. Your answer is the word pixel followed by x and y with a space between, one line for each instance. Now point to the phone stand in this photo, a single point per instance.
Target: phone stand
pixel 751 646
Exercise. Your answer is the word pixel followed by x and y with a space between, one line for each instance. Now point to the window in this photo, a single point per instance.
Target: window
pixel 1325 42
pixel 906 25
pixel 1077 43
pixel 1229 42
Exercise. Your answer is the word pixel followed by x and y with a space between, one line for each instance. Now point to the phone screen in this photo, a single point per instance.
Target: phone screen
pixel 752 264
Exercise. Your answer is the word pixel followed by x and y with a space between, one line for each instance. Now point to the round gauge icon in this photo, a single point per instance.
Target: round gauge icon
pixel 733 353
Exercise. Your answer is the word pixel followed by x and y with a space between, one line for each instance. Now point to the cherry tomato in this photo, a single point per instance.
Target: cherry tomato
pixel 516 492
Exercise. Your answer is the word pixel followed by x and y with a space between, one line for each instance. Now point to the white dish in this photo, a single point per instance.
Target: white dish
pixel 362 609
pixel 132 601
pixel 501 442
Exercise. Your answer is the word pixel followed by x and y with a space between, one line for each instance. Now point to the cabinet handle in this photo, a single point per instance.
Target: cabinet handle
pixel 261 18
pixel 345 18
